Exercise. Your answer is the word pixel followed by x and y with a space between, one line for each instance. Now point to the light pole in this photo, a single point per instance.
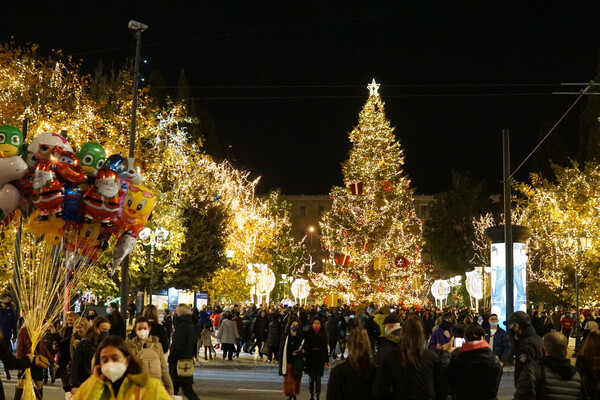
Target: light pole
pixel 138 27
pixel 153 238
pixel 585 243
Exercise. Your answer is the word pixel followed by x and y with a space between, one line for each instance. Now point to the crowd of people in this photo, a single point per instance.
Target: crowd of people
pixel 419 353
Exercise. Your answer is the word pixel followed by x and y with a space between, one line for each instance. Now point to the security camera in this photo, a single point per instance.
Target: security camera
pixel 137 26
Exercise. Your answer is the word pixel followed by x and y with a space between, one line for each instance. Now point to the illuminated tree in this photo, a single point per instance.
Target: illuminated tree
pixel 372 227
pixel 559 213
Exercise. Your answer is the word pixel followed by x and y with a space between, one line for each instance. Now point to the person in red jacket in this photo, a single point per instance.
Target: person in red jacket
pixel 567 323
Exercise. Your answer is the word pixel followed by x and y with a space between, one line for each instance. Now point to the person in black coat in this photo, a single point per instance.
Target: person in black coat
pixel 10 362
pixel 588 366
pixel 260 330
pixel 411 371
pixel 332 332
pixel 291 349
pixel 473 369
pixel 389 342
pixel 528 345
pixel 84 352
pixel 353 379
pixel 117 323
pixel 316 357
pixel 183 348
pixel 274 337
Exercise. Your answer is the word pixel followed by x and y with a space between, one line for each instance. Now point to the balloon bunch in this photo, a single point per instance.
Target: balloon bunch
pixel 82 197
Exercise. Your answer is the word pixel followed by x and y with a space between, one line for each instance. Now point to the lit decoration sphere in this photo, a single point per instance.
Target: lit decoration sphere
pixel 262 279
pixel 474 283
pixel 440 289
pixel 300 288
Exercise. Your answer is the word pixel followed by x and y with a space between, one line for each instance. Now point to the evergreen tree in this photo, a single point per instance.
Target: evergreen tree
pixel 372 226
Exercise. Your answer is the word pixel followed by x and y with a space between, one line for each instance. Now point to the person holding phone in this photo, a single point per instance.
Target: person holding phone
pixel 473 369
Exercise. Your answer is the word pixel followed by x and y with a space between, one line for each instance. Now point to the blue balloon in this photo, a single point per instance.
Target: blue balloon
pixel 71 205
pixel 116 162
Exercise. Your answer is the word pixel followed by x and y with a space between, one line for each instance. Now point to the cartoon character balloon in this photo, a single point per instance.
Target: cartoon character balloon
pixel 137 207
pixel 43 144
pixel 92 157
pixel 102 201
pixel 11 141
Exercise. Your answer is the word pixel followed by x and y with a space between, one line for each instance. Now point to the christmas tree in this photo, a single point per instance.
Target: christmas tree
pixel 372 230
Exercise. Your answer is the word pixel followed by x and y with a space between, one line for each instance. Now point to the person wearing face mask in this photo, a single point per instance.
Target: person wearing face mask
pixel 64 350
pixel 117 323
pixel 499 342
pixel 441 335
pixel 84 352
pixel 148 350
pixel 292 352
pixel 317 357
pixel 117 375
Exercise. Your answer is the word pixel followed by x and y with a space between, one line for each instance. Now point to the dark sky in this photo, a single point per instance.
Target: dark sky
pixel 284 80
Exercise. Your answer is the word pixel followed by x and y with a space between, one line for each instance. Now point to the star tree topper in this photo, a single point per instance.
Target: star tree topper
pixel 373 88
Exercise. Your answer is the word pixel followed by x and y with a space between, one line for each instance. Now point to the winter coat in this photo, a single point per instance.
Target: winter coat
pixel 8 322
pixel 134 387
pixel 316 352
pixel 395 380
pixel 472 371
pixel 24 348
pixel 589 383
pixel 502 347
pixel 206 337
pixel 274 336
pixel 389 343
pixel 528 349
pixel 117 324
pixel 152 358
pixel 64 347
pixel 332 327
pixel 289 345
pixel 159 331
pixel 549 378
pixel 228 332
pixel 437 337
pixel 81 366
pixel 345 383
pixel 182 346
pixel 261 328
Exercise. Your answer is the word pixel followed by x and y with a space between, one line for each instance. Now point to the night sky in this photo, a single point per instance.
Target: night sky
pixel 284 80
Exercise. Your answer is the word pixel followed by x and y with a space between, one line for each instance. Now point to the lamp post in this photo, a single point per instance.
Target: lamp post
pixel 138 27
pixel 153 238
pixel 585 243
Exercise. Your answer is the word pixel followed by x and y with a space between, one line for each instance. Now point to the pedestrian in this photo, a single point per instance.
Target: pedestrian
pixel 353 378
pixel 84 352
pixel 588 365
pixel 52 338
pixel 181 356
pixel 441 335
pixel 567 323
pixel 90 315
pixel 63 360
pixel 372 328
pixel 228 335
pixel 10 362
pixel 167 323
pixel 411 371
pixel 274 337
pixel 317 357
pixel 389 343
pixel 24 347
pixel 150 313
pixel 473 370
pixel 148 351
pixel 260 331
pixel 292 355
pixel 548 325
pixel 117 323
pixel 240 326
pixel 332 332
pixel 116 374
pixel 499 342
pixel 131 309
pixel 206 336
pixel 552 376
pixel 528 345
pixel 8 325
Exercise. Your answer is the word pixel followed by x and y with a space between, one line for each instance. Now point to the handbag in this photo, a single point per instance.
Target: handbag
pixel 264 348
pixel 299 362
pixel 185 368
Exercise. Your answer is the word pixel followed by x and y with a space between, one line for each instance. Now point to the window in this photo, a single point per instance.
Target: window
pixel 321 210
pixel 302 210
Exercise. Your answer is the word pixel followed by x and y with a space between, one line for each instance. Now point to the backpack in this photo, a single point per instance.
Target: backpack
pixel 150 362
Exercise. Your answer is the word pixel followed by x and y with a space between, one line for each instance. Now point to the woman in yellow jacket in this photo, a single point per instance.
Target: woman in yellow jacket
pixel 117 375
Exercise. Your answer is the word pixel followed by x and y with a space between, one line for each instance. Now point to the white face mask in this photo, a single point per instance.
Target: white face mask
pixel 114 370
pixel 143 334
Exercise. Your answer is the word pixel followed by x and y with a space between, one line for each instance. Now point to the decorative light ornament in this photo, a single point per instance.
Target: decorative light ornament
pixel 262 279
pixel 301 289
pixel 373 88
pixel 440 290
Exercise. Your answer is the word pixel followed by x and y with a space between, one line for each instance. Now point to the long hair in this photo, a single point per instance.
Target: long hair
pixel 412 342
pixel 359 351
pixel 133 365
pixel 96 322
pixel 590 352
pixel 150 312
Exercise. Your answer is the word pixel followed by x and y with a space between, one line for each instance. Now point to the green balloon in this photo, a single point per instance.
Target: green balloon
pixel 11 140
pixel 91 155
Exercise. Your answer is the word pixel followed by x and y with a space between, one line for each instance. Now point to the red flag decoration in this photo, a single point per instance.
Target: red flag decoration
pixel 342 260
pixel 356 188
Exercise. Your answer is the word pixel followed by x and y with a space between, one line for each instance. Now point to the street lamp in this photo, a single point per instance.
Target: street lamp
pixel 585 243
pixel 153 238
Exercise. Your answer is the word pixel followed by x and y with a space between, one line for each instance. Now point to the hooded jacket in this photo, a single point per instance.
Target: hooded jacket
pixel 134 387
pixel 152 358
pixel 550 378
pixel 528 349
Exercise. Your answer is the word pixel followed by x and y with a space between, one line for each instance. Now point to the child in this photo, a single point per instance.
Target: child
pixel 206 336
